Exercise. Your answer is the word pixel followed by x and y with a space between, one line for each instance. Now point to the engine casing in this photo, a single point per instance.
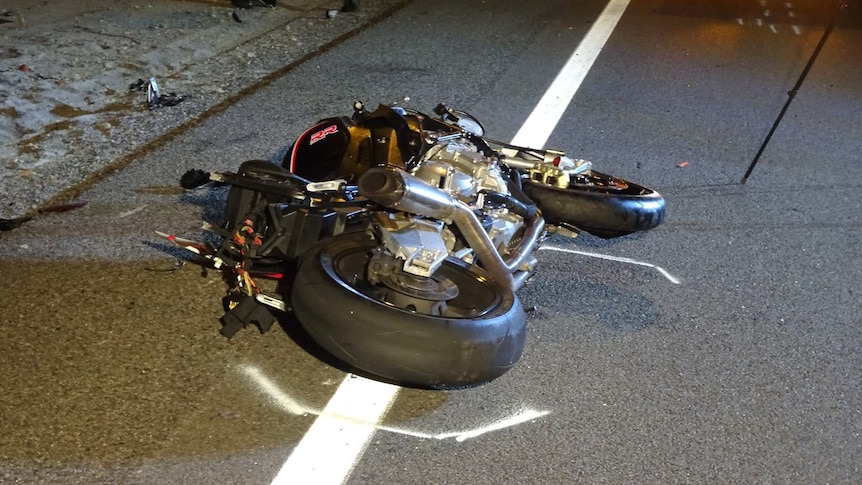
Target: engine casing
pixel 460 169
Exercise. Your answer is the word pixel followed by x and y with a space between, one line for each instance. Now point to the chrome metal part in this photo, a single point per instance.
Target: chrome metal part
pixel 327 185
pixel 399 190
pixel 504 226
pixel 418 242
pixel 271 301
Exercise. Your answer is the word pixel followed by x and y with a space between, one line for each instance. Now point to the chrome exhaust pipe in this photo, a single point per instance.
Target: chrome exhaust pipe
pixel 402 191
pixel 397 189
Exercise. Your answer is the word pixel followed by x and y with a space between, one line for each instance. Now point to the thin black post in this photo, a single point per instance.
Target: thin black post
pixel 792 93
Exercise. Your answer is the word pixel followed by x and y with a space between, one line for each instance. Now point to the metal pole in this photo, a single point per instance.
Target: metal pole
pixel 792 93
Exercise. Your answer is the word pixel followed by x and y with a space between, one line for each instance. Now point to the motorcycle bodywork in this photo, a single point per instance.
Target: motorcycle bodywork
pixel 404 238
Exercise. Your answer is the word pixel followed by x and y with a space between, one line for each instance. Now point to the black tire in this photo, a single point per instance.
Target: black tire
pixel 479 337
pixel 601 205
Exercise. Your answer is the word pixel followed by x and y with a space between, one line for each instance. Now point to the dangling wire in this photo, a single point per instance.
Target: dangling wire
pixel 247 242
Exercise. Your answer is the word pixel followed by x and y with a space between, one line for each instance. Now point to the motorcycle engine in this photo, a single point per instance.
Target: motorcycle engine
pixel 459 168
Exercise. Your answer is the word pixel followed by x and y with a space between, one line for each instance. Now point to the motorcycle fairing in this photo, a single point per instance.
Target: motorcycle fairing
pixel 346 148
pixel 317 153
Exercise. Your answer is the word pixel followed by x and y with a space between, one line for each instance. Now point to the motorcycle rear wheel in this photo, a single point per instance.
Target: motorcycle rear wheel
pixel 474 338
pixel 599 204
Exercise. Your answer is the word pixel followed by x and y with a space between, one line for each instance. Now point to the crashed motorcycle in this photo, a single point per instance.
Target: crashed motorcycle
pixel 401 239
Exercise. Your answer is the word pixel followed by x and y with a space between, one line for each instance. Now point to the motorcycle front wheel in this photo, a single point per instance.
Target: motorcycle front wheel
pixel 599 204
pixel 470 336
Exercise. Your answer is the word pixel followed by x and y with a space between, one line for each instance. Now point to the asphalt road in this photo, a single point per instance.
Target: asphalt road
pixel 747 371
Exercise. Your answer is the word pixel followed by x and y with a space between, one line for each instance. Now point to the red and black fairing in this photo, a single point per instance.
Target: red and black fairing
pixel 346 148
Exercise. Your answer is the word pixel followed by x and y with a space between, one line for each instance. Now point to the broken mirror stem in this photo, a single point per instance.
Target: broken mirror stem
pixel 155 99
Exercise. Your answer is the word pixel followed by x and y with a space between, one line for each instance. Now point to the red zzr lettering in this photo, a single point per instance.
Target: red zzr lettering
pixel 322 134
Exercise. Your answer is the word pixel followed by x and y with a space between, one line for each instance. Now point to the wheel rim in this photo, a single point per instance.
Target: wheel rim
pixel 599 182
pixel 475 295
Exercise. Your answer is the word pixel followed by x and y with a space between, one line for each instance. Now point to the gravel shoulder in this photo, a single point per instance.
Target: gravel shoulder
pixel 70 114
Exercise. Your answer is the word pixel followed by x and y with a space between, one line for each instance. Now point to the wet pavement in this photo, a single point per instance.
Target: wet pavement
pixel 747 371
pixel 110 363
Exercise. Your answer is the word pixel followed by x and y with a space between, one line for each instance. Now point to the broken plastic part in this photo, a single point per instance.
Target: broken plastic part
pixel 243 310
pixel 152 92
pixel 138 85
pixel 194 178
pixel 271 301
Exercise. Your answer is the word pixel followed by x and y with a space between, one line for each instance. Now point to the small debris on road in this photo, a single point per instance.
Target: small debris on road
pixel 194 178
pixel 155 99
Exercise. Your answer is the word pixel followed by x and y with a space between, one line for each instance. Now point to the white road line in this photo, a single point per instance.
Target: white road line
pixel 673 279
pixel 294 406
pixel 545 116
pixel 131 211
pixel 336 440
pixel 331 447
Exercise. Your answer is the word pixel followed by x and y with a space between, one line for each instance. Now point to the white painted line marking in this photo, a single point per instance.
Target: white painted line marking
pixel 315 447
pixel 673 279
pixel 339 435
pixel 461 436
pixel 545 116
pixel 272 390
pixel 293 406
pixel 131 212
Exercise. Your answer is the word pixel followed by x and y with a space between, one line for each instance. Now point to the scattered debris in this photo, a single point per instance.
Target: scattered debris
pixel 155 99
pixel 243 310
pixel 194 178
pixel 536 312
pixel 24 68
pixel 330 14
pixel 235 17
pixel 138 85
pixel 76 48
pixel 683 165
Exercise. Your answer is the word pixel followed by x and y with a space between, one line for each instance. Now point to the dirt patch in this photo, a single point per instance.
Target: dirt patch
pixel 67 67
